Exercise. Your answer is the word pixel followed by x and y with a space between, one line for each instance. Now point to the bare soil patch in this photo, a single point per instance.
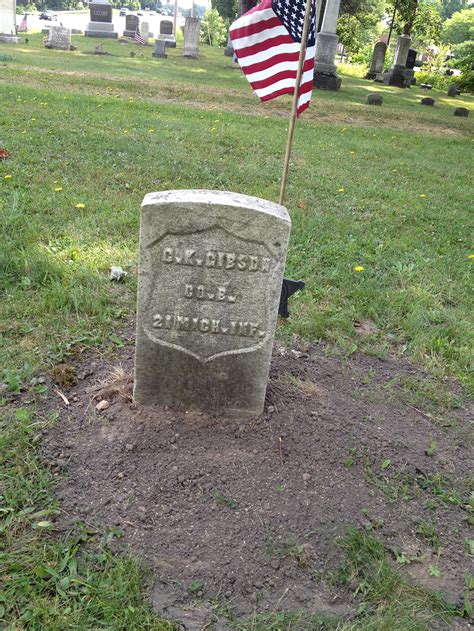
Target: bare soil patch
pixel 247 513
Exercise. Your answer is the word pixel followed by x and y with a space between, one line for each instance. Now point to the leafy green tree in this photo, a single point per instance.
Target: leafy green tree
pixel 446 8
pixel 464 60
pixel 459 28
pixel 418 19
pixel 359 21
pixel 213 28
pixel 226 8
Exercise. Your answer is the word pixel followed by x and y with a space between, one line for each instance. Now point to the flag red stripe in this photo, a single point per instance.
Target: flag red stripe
pixel 264 45
pixel 273 95
pixel 271 61
pixel 252 29
pixel 262 40
pixel 284 74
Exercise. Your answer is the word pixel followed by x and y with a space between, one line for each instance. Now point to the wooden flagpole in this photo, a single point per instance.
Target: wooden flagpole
pixel 296 95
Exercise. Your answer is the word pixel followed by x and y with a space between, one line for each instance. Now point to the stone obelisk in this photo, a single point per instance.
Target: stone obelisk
pixel 8 22
pixel 325 74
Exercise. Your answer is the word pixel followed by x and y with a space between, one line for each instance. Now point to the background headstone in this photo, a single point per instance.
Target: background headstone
pixel 8 22
pixel 410 67
pixel 166 27
pixel 453 90
pixel 192 31
pixel 396 75
pixel 166 33
pixel 374 99
pixel 377 61
pixel 411 58
pixel 428 101
pixel 131 24
pixel 145 31
pixel 461 111
pixel 210 278
pixel 160 49
pixel 100 24
pixel 59 38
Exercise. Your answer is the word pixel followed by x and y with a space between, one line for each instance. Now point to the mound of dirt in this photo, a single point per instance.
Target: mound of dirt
pixel 247 512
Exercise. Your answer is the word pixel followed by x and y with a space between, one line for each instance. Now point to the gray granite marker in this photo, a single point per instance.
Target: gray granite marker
pixel 210 277
pixel 192 30
pixel 59 38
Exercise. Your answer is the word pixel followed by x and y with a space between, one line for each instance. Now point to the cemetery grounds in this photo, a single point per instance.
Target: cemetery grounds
pixel 348 504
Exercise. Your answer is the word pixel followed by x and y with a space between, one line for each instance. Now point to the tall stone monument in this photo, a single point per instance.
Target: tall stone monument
pixel 8 22
pixel 396 74
pixel 325 71
pixel 192 31
pixel 100 24
pixel 377 61
pixel 210 278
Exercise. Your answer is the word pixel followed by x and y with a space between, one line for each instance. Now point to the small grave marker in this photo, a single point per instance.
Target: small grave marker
pixel 160 49
pixel 374 99
pixel 210 283
pixel 59 38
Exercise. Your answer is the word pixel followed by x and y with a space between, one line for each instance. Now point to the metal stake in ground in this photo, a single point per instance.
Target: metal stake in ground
pixel 296 95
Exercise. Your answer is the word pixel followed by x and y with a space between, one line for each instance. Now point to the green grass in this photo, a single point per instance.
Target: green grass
pixel 109 129
pixel 70 581
pixel 387 601
pixel 83 122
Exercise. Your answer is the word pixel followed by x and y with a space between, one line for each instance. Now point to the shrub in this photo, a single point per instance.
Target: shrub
pixel 438 81
pixel 213 28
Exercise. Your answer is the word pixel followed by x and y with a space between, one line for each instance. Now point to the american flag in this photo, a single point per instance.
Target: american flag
pixel 138 38
pixel 23 28
pixel 267 42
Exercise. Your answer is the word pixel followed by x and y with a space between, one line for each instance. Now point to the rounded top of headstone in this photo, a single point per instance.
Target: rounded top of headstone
pixel 219 198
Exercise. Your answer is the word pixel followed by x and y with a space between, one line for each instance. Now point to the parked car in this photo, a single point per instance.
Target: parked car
pixel 48 15
pixel 124 11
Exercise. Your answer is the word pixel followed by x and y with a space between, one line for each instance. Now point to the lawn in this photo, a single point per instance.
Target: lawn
pixel 385 189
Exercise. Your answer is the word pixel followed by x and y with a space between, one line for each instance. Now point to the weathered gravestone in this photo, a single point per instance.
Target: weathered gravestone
pixel 374 99
pixel 8 22
pixel 100 24
pixel 192 30
pixel 160 49
pixel 461 111
pixel 396 74
pixel 410 67
pixel 377 61
pixel 166 33
pixel 428 101
pixel 59 38
pixel 131 25
pixel 145 31
pixel 210 278
pixel 453 90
